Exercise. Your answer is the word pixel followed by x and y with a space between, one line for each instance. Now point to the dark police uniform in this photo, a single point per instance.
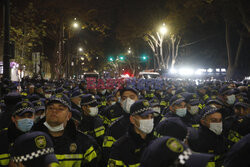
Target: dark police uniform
pixel 127 150
pixel 73 148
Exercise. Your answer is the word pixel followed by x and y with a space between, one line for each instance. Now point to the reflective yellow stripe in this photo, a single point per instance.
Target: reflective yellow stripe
pixel 205 97
pixel 196 125
pixel 113 119
pixel 108 141
pixel 210 164
pixel 90 154
pixel 54 164
pixel 157 134
pixel 104 103
pixel 234 136
pixel 200 106
pixel 99 131
pixel 113 162
pixel 163 103
pixel 135 165
pixel 4 159
pixel 69 159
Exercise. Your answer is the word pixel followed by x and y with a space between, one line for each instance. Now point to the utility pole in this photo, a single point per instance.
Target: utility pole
pixel 6 52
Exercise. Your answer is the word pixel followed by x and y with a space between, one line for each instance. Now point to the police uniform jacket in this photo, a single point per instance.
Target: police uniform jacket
pixel 208 142
pixel 236 127
pixel 128 149
pixel 73 148
pixel 93 126
pixel 113 112
pixel 115 131
pixel 7 138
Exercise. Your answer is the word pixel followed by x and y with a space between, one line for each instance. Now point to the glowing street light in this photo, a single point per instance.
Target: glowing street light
pixel 75 23
pixel 129 50
pixel 163 29
pixel 80 49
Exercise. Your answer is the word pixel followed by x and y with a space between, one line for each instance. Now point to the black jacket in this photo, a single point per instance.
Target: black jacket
pixel 128 149
pixel 93 126
pixel 73 148
pixel 8 137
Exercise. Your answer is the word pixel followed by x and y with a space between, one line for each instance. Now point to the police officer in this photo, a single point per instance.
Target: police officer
pixel 76 99
pixel 157 108
pixel 209 138
pixel 21 122
pixel 91 124
pixel 178 108
pixel 113 112
pixel 39 107
pixel 169 151
pixel 237 125
pixel 118 128
pixel 72 147
pixel 127 150
pixel 239 154
pixel 33 149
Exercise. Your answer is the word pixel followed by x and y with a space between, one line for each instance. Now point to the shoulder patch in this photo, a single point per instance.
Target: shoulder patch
pixel 174 145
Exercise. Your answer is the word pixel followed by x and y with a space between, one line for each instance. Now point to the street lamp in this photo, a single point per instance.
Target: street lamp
pixel 80 49
pixel 129 50
pixel 163 29
pixel 75 23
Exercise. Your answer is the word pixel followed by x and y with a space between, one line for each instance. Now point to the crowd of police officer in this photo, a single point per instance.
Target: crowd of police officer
pixel 63 123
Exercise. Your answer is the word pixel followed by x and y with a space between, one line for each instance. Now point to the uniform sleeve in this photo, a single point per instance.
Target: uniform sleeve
pixel 115 157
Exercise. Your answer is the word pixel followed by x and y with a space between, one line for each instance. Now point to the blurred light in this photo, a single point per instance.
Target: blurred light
pixel 163 29
pixel 173 71
pixel 82 63
pixel 121 57
pixel 82 58
pixel 210 70
pixel 223 70
pixel 125 76
pixel 97 57
pixel 75 25
pixel 129 51
pixel 217 70
pixel 186 71
pixel 111 59
pixel 80 49
pixel 72 63
pixel 144 58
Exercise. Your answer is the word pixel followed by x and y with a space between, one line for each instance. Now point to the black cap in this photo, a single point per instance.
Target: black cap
pixel 141 107
pixel 194 102
pixel 154 102
pixel 31 146
pixel 209 110
pixel 89 99
pixel 76 115
pixel 61 98
pixel 214 99
pixel 38 105
pixel 76 93
pixel 226 90
pixel 176 99
pixel 128 89
pixel 242 104
pixel 173 127
pixel 111 98
pixel 168 151
pixel 23 107
pixel 239 153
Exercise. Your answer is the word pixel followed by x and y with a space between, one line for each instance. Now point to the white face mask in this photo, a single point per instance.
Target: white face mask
pixel 230 99
pixel 194 110
pixel 126 104
pixel 161 93
pixel 112 103
pixel 173 92
pixel 216 128
pixel 55 128
pixel 157 111
pixel 93 111
pixel 47 95
pixel 181 112
pixel 146 125
pixel 103 92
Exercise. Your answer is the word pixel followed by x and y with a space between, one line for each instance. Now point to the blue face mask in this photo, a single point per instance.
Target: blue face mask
pixel 181 112
pixel 25 124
